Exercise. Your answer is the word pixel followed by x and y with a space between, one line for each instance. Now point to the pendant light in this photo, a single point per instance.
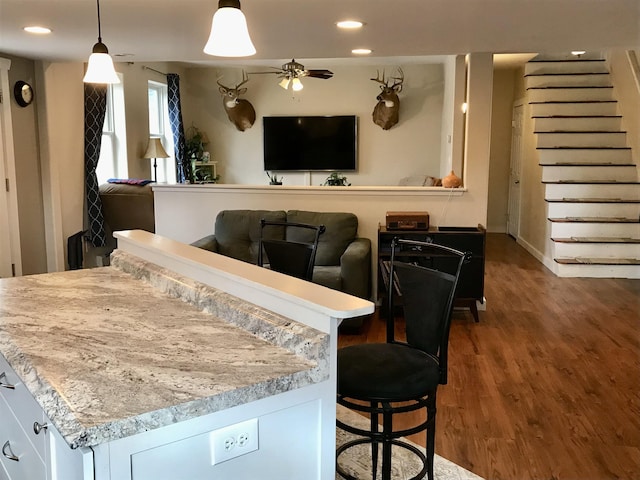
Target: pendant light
pixel 229 33
pixel 100 68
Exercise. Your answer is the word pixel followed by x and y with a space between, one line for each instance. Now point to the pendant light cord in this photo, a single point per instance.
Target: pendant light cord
pixel 99 30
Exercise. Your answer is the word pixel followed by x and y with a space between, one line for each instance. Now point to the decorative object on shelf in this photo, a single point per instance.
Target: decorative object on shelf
pixel 291 73
pixel 194 143
pixel 336 179
pixel 240 111
pixel 23 93
pixel 273 179
pixel 229 35
pixel 451 181
pixel 155 150
pixel 386 113
pixel 206 171
pixel 100 68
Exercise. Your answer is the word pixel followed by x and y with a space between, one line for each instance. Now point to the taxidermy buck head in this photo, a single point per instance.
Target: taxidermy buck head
pixel 239 110
pixel 387 110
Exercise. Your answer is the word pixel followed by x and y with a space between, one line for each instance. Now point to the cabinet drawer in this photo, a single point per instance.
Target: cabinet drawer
pixel 23 406
pixel 29 465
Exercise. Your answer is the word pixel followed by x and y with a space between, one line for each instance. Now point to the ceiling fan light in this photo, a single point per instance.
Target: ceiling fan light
pixel 229 33
pixel 284 83
pixel 100 68
pixel 296 85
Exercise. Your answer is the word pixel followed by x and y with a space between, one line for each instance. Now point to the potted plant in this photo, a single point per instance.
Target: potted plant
pixel 336 179
pixel 273 179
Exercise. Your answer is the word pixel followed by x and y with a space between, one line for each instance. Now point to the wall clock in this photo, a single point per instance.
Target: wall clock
pixel 23 93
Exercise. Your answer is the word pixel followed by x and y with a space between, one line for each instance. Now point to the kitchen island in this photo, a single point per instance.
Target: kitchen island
pixel 172 363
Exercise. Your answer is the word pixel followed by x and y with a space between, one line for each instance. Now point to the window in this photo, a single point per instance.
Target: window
pixel 113 151
pixel 159 127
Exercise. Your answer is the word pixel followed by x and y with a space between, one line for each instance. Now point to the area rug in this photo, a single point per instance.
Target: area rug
pixel 357 460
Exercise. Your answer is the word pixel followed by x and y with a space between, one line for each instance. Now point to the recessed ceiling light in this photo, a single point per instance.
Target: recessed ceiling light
pixel 361 51
pixel 37 29
pixel 350 24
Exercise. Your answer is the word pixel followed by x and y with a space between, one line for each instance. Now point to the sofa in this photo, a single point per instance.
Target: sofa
pixel 126 207
pixel 343 260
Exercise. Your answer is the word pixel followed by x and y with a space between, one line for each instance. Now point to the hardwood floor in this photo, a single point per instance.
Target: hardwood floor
pixel 547 385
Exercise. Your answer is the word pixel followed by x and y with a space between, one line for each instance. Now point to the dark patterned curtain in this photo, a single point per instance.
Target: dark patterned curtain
pixel 184 173
pixel 95 106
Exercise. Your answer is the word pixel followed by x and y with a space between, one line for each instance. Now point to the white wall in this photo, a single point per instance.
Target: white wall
pixel 411 147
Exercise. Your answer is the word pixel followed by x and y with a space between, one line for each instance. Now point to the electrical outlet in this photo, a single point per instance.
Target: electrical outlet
pixel 232 441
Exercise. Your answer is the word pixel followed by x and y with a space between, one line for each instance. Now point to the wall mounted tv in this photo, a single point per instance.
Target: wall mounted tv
pixel 311 143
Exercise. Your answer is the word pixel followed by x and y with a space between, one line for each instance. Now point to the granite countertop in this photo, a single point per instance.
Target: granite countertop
pixel 113 351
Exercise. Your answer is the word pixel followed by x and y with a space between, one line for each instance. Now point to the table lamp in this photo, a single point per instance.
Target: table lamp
pixel 155 150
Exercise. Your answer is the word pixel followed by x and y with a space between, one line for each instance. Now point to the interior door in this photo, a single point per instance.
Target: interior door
pixel 513 212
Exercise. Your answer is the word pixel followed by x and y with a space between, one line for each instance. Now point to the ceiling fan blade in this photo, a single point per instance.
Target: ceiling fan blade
pixel 319 73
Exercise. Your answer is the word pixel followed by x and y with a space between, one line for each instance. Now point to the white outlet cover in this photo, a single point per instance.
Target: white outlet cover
pixel 246 432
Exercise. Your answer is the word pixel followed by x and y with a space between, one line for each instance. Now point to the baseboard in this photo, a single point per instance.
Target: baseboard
pixel 546 261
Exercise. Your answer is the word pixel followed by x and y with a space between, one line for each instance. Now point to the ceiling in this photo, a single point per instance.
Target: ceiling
pixel 176 30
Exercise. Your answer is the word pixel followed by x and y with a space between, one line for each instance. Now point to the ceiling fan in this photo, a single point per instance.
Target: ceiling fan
pixel 291 73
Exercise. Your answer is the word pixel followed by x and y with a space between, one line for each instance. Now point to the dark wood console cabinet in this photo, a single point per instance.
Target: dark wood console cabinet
pixel 467 239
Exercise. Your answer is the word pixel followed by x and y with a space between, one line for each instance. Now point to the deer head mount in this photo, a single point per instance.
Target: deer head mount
pixel 387 111
pixel 240 111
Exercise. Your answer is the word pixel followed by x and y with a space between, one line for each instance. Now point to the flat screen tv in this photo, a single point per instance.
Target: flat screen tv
pixel 311 143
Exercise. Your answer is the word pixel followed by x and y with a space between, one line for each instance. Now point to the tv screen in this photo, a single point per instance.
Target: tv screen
pixel 310 143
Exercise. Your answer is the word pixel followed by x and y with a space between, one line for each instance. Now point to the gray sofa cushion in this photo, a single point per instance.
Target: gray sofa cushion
pixel 238 232
pixel 342 229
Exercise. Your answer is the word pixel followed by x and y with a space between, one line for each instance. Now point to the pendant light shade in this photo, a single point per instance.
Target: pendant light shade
pixel 229 33
pixel 100 68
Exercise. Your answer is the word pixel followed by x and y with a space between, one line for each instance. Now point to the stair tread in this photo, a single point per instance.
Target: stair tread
pixel 596 240
pixel 566 60
pixel 594 220
pixel 586 164
pixel 571 101
pixel 583 148
pixel 592 182
pixel 598 261
pixel 592 200
pixel 576 116
pixel 565 74
pixel 568 87
pixel 537 132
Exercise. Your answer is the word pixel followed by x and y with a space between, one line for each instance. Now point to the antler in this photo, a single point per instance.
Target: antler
pixel 245 79
pixel 398 81
pixel 377 79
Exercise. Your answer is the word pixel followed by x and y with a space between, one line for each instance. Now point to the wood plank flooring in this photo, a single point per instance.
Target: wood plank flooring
pixel 547 385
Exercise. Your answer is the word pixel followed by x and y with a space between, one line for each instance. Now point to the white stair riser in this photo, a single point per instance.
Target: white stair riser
pixel 597 250
pixel 586 155
pixel 591 139
pixel 587 190
pixel 566 229
pixel 563 209
pixel 578 124
pixel 538 68
pixel 568 80
pixel 569 94
pixel 554 174
pixel 598 271
pixel 577 108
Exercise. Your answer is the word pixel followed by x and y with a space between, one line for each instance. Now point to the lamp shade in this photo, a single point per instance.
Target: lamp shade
pixel 100 69
pixel 229 33
pixel 296 85
pixel 155 149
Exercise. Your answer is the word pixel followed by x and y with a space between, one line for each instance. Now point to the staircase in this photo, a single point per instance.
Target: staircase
pixel 591 184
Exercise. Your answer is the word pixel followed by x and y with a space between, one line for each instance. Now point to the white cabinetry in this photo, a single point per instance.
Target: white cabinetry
pixel 23 450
